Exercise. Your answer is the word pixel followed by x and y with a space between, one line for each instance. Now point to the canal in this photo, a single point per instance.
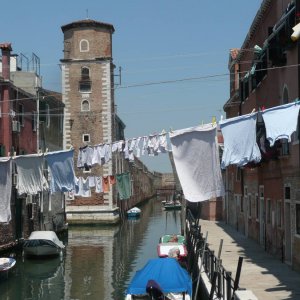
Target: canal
pixel 98 263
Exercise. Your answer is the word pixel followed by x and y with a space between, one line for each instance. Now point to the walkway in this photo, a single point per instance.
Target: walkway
pixel 266 276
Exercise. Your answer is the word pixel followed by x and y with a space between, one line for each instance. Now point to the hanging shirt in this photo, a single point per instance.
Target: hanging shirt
pixel 137 147
pixel 105 184
pixel 281 121
pixel 31 179
pixel 99 185
pixel 145 144
pixel 85 157
pixel 124 185
pixel 92 181
pixel 240 145
pixel 86 191
pixel 61 165
pixel 162 143
pixel 5 188
pixel 197 162
pixel 112 179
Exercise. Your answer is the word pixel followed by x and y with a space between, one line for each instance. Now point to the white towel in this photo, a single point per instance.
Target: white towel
pixel 30 174
pixel 196 159
pixel 5 187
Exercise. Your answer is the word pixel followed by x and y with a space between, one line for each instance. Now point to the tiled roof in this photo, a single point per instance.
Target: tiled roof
pixel 87 23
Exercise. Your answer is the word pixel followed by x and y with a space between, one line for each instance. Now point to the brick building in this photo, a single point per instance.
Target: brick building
pixel 22 132
pixel 263 200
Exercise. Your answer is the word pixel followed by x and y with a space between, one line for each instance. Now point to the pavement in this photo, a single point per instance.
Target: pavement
pixel 266 276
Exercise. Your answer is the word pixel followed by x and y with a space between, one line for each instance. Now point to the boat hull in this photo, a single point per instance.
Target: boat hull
pixel 41 251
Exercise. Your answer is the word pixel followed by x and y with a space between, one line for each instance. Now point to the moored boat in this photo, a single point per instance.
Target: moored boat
pixel 161 275
pixel 6 263
pixel 134 212
pixel 172 205
pixel 43 243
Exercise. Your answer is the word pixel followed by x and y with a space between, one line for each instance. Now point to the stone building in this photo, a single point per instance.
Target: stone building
pixel 263 201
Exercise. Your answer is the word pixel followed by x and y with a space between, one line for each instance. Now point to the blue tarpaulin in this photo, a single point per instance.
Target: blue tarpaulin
pixel 167 272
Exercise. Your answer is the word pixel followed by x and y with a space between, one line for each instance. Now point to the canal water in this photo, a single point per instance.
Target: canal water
pixel 99 261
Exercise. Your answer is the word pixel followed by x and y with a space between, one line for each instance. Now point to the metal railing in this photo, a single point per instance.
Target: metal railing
pixel 202 258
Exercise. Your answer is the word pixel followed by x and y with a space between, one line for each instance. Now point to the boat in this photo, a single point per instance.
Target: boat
pixel 43 243
pixel 161 275
pixel 133 212
pixel 6 263
pixel 172 205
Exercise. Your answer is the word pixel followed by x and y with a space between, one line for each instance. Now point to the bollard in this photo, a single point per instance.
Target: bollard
pixel 228 286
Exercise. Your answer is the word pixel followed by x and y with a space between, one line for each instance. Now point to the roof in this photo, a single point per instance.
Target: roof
pixel 87 23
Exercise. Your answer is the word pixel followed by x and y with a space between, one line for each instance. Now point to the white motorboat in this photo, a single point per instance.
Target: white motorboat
pixel 43 243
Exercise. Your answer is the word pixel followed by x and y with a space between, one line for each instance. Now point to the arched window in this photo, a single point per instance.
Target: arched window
pixel 85 73
pixel 85 105
pixel 84 46
pixel 85 82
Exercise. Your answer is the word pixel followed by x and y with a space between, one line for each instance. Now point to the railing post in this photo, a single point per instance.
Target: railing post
pixel 228 286
pixel 212 264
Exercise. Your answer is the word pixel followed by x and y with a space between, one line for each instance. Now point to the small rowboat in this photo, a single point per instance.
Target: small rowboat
pixel 133 212
pixel 6 263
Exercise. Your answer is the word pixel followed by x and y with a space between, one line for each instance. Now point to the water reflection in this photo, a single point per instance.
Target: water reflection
pixel 98 263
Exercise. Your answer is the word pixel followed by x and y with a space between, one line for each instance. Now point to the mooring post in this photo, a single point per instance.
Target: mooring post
pixel 228 285
pixel 238 274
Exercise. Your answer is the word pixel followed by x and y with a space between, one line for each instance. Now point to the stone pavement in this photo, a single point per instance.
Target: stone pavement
pixel 266 276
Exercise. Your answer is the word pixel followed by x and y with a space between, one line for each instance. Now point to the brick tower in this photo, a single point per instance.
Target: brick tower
pixel 87 89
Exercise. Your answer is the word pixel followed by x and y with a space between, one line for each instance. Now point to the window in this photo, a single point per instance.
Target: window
pixel 85 73
pixel 287 193
pixel 85 105
pixel 34 121
pixel 250 205
pixel 257 206
pixel 298 218
pixel 85 82
pixel 268 211
pixel 84 46
pixel 284 143
pixel 86 138
pixel 47 115
pixel 21 114
pixel 279 212
pixel 238 174
pixel 261 191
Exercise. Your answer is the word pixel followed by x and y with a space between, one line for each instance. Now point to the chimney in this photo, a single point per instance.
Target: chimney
pixel 6 138
pixel 6 49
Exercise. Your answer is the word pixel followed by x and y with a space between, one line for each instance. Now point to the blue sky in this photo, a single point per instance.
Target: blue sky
pixel 155 41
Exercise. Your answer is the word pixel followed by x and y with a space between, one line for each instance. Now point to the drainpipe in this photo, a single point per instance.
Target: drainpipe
pixel 6 122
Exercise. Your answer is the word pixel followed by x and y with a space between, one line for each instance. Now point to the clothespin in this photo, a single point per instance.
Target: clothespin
pixel 8 153
pixel 202 123
pixel 253 110
pixel 171 129
pixel 15 153
pixel 163 131
pixel 46 150
pixel 214 120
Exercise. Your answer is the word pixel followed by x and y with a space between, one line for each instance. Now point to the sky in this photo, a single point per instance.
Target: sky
pixel 173 54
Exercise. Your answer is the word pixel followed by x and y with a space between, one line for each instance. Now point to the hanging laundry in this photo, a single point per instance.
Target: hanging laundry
pixel 31 179
pixel 92 181
pixel 61 165
pixel 5 188
pixel 86 191
pixel 99 185
pixel 152 142
pixel 281 121
pixel 240 145
pixel 85 157
pixel 145 144
pixel 197 163
pixel 137 147
pixel 124 185
pixel 97 155
pixel 126 149
pixel 112 179
pixel 162 143
pixel 105 184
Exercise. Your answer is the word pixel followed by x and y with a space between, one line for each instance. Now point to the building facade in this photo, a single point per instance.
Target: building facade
pixel 263 200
